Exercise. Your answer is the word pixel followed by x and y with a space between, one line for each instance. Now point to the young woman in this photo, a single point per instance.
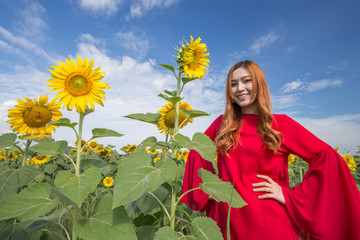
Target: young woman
pixel 253 147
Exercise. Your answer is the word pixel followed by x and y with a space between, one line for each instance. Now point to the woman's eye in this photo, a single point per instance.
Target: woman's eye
pixel 247 80
pixel 233 85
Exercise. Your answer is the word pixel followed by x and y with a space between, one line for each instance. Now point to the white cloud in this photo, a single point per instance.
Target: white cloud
pixel 264 41
pixel 321 84
pixel 101 7
pixel 24 44
pixel 337 131
pixel 4 126
pixel 138 8
pixel 32 23
pixel 292 86
pixel 88 38
pixel 284 101
pixel 136 42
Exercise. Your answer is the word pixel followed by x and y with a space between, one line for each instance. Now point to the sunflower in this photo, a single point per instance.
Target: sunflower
pixel 93 145
pixel 167 120
pixel 2 155
pixel 153 151
pixel 31 116
pixel 185 155
pixel 350 161
pixel 192 58
pixel 40 160
pixel 156 159
pixel 130 149
pixel 79 85
pixel 291 158
pixel 104 152
pixel 108 181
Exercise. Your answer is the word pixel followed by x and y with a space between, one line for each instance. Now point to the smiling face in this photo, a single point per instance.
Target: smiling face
pixel 241 88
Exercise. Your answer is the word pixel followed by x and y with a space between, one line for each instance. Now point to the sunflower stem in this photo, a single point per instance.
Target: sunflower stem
pixel 28 142
pixel 79 147
pixel 177 105
pixel 173 208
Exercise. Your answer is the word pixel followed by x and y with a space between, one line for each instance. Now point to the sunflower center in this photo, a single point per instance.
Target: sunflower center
pixel 170 118
pixel 41 157
pixel 37 116
pixel 78 84
pixel 190 58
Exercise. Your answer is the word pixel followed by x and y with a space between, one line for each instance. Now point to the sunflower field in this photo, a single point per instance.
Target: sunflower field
pixel 52 190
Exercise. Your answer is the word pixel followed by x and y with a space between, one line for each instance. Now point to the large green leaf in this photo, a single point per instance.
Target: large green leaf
pixel 64 122
pixel 146 232
pixel 200 143
pixel 77 188
pixel 152 118
pixel 11 230
pixel 219 190
pixel 136 175
pixel 148 142
pixel 7 140
pixel 205 228
pixel 13 179
pixel 147 202
pixel 40 222
pixel 194 113
pixel 167 233
pixel 106 223
pixel 30 203
pixel 103 132
pixel 52 148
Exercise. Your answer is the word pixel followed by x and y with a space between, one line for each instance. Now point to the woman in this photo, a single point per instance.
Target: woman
pixel 253 147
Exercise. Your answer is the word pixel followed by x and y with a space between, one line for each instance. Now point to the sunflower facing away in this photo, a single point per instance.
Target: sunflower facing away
pixel 79 85
pixel 31 116
pixel 167 120
pixel 192 58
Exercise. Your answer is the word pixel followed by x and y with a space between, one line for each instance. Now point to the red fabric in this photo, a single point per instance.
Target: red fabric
pixel 326 205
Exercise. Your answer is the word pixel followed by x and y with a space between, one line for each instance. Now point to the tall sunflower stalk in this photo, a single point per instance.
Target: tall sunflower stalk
pixel 192 62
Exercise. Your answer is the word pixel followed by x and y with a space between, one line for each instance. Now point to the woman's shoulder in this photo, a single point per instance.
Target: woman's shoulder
pixel 281 120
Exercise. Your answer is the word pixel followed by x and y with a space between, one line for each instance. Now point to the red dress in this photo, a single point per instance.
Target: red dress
pixel 326 205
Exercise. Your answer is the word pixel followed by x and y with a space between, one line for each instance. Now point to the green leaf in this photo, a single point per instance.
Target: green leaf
pixel 205 229
pixel 149 142
pixel 200 143
pixel 77 188
pixel 41 222
pixel 136 175
pixel 13 179
pixel 63 122
pixel 52 148
pixel 147 203
pixel 185 80
pixel 106 223
pixel 97 163
pixel 146 232
pixel 103 132
pixel 30 203
pixel 166 233
pixel 168 67
pixel 219 190
pixel 172 93
pixel 7 140
pixel 11 230
pixel 194 113
pixel 173 100
pixel 152 118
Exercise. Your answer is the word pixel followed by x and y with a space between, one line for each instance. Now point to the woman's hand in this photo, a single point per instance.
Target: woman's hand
pixel 271 188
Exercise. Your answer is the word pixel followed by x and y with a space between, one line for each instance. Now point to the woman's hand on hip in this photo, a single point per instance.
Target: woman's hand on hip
pixel 271 189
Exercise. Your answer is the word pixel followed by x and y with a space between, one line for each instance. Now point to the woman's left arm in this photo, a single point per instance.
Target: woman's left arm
pixel 327 203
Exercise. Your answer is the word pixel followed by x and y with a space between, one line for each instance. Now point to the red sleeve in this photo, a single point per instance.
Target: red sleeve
pixel 197 200
pixel 326 205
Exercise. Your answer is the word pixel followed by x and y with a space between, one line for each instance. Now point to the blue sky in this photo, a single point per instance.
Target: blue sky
pixel 308 50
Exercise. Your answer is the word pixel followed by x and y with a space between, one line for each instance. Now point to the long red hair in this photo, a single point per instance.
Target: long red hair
pixel 228 136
